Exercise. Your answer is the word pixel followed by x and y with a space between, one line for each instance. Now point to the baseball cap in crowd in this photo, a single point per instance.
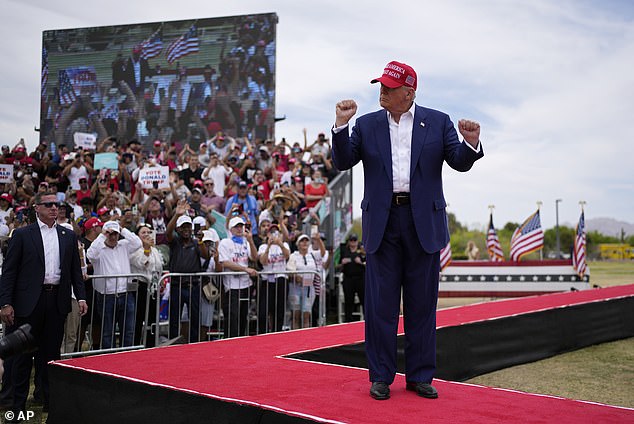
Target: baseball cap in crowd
pixel 82 179
pixel 157 142
pixel 197 190
pixel 182 220
pixel 265 215
pixel 210 235
pixel 112 226
pixel 236 220
pixel 19 149
pixel 353 236
pixel 264 149
pixel 397 74
pixel 102 211
pixel 302 237
pixel 92 223
pixel 67 225
pixel 242 184
pixel 200 221
pixel 7 197
pixel 198 183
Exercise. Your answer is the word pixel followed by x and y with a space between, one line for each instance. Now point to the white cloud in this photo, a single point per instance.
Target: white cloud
pixel 551 83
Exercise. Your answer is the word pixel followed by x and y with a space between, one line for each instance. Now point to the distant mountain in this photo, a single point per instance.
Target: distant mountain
pixel 609 226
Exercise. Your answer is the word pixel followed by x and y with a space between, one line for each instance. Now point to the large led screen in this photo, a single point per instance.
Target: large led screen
pixel 175 81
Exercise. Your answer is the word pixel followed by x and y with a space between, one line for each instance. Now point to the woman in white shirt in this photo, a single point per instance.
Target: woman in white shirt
pixel 301 291
pixel 148 261
pixel 273 255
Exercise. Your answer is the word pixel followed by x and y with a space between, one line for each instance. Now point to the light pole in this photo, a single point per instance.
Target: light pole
pixel 557 227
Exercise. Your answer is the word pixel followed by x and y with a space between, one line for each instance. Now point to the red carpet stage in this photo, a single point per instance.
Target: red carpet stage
pixel 261 379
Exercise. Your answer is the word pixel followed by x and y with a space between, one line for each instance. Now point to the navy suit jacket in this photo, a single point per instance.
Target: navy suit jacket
pixel 23 270
pixel 434 141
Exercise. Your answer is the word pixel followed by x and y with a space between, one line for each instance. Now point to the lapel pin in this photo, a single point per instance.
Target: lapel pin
pixel 422 124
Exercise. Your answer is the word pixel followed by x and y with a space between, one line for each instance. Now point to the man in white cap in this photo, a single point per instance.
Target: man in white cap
pixel 234 254
pixel 110 255
pixel 186 254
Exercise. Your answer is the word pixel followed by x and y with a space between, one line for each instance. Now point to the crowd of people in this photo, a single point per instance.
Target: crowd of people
pixel 231 206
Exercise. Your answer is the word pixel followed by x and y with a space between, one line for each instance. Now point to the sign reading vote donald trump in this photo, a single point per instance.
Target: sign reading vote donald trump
pixel 6 173
pixel 155 175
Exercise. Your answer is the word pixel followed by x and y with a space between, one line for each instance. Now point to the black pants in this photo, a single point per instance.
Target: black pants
pixel 47 327
pixel 185 292
pixel 271 302
pixel 235 306
pixel 352 285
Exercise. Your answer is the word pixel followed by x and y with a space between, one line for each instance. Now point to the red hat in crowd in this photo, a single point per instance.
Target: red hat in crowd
pixel 7 197
pixel 397 74
pixel 19 149
pixel 198 183
pixel 92 223
pixel 103 211
pixel 157 142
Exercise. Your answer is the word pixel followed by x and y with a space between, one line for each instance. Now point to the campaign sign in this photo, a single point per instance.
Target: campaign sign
pixel 106 160
pixel 154 174
pixel 6 173
pixel 86 141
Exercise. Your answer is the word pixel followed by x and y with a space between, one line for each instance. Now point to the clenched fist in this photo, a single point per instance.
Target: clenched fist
pixel 344 110
pixel 470 130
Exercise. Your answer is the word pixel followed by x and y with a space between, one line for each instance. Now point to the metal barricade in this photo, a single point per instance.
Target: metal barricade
pixel 115 320
pixel 204 306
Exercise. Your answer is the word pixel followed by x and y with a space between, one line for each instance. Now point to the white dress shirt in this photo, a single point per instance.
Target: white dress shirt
pixel 50 239
pixel 107 260
pixel 401 143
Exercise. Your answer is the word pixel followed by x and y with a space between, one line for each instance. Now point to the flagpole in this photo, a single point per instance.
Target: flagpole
pixel 541 251
pixel 582 203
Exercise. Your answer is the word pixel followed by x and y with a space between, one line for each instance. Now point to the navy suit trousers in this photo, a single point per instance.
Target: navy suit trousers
pixel 401 263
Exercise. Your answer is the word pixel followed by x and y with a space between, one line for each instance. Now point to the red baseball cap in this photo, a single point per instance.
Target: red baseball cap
pixel 397 74
pixel 7 197
pixel 92 223
pixel 102 211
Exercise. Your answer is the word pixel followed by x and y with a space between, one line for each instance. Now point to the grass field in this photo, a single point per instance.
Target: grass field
pixel 602 373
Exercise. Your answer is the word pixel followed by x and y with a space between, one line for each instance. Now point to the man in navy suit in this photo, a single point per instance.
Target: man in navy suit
pixel 41 266
pixel 403 147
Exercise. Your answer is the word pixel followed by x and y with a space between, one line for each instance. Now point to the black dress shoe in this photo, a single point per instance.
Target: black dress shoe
pixel 425 390
pixel 380 390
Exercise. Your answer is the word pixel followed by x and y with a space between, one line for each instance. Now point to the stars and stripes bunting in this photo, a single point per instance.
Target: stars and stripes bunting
pixel 579 249
pixel 445 256
pixel 183 45
pixel 153 46
pixel 66 91
pixel 527 238
pixel 494 248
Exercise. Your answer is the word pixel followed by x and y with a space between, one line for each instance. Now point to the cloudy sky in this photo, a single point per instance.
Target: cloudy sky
pixel 552 84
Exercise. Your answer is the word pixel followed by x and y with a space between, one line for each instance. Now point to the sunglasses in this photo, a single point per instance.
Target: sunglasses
pixel 49 204
pixel 146 226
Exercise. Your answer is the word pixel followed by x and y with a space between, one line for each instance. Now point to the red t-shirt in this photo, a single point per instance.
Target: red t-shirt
pixel 310 190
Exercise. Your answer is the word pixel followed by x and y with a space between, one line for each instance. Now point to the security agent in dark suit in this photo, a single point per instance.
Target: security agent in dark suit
pixel 403 148
pixel 41 265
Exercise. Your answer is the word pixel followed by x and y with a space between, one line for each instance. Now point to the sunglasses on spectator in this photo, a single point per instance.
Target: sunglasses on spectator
pixel 146 226
pixel 49 204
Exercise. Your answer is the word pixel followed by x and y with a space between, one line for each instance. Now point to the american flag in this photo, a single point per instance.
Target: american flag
pixel 527 238
pixel 445 256
pixel 66 90
pixel 494 248
pixel 579 250
pixel 44 77
pixel 152 46
pixel 183 45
